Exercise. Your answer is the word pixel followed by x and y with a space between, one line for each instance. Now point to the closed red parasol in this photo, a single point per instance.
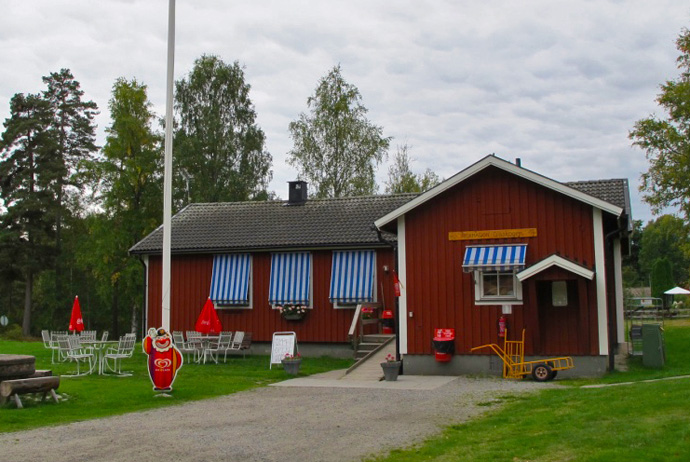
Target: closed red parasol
pixel 76 322
pixel 208 322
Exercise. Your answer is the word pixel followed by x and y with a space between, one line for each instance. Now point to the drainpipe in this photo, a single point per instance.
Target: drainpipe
pixel 394 246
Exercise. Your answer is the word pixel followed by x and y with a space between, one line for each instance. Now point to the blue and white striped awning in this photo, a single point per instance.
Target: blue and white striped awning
pixel 494 258
pixel 290 278
pixel 230 279
pixel 352 276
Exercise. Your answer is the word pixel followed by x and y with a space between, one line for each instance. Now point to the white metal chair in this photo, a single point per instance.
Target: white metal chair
pixel 221 345
pixel 88 335
pixel 104 336
pixel 49 344
pixel 184 347
pixel 72 350
pixel 195 342
pixel 236 344
pixel 124 350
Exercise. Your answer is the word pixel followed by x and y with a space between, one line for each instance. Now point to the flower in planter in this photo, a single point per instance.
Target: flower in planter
pixel 291 357
pixel 367 313
pixel 288 309
pixel 390 358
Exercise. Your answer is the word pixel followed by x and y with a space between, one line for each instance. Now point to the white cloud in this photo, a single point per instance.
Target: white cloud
pixel 558 84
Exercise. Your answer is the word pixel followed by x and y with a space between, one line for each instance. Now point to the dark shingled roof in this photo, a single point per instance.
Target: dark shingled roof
pixel 228 226
pixel 328 223
pixel 613 191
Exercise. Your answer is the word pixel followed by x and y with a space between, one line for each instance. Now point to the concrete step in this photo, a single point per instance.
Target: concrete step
pixel 377 338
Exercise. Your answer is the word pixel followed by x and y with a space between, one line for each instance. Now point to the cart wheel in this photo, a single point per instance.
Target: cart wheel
pixel 542 373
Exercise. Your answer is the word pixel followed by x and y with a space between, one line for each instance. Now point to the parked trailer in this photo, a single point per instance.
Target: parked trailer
pixel 515 367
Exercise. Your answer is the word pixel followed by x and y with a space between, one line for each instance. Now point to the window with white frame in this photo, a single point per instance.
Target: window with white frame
pixel 231 281
pixel 494 269
pixel 291 279
pixel 353 273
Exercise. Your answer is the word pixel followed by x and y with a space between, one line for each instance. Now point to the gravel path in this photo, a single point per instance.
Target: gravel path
pixel 267 424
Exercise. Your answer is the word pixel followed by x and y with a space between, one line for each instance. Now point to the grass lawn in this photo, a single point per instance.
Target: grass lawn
pixel 644 421
pixel 94 396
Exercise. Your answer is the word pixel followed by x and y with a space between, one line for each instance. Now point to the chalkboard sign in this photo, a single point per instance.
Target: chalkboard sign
pixel 283 343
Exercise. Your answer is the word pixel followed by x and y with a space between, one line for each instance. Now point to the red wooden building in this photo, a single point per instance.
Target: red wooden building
pixel 494 240
pixel 497 239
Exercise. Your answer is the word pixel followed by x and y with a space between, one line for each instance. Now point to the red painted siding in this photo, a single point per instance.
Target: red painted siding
pixel 191 281
pixel 441 296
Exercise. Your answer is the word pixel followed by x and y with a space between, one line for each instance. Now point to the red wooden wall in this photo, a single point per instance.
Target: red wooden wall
pixel 191 281
pixel 441 295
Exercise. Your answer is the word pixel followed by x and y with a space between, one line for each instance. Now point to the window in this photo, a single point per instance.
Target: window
pixel 352 278
pixel 290 279
pixel 494 268
pixel 497 287
pixel 231 281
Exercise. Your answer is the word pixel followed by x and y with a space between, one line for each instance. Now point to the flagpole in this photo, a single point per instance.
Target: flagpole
pixel 167 173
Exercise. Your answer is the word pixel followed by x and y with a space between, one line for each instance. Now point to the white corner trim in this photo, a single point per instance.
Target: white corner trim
pixel 600 265
pixel 402 276
pixel 555 260
pixel 618 275
pixel 504 165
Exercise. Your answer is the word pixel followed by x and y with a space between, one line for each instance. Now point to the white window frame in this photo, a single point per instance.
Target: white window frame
pixel 481 299
pixel 250 293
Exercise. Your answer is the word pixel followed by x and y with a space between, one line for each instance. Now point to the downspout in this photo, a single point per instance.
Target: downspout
pixel 144 305
pixel 394 246
pixel 611 311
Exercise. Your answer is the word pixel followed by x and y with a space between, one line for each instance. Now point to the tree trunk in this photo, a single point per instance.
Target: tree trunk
pixel 134 317
pixel 28 291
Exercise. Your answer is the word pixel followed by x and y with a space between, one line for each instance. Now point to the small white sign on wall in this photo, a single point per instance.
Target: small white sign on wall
pixel 507 309
pixel 283 343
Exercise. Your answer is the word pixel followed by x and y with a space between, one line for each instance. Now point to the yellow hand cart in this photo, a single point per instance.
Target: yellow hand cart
pixel 515 367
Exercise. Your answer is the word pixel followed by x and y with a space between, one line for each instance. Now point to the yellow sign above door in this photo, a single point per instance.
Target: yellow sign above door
pixel 491 234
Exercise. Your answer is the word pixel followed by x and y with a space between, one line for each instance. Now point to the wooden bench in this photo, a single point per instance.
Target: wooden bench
pixel 16 387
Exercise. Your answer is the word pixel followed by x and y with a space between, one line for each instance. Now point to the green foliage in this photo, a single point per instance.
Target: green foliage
pixel 28 169
pixel 662 277
pixel 401 179
pixel 643 421
pixel 667 140
pixel 219 149
pixel 129 180
pixel 85 397
pixel 666 237
pixel 13 332
pixel 336 148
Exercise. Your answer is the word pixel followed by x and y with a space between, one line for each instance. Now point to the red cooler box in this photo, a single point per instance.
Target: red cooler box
pixel 444 344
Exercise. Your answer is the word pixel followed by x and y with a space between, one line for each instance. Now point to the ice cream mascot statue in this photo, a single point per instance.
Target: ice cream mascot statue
pixel 164 358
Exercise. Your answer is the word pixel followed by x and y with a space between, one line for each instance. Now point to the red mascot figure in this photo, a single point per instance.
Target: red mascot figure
pixel 164 358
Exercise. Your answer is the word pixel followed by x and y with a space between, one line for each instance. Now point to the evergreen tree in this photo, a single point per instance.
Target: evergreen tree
pixel 73 130
pixel 28 169
pixel 336 148
pixel 662 277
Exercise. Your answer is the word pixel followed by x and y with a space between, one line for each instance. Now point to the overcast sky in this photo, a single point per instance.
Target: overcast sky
pixel 557 83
